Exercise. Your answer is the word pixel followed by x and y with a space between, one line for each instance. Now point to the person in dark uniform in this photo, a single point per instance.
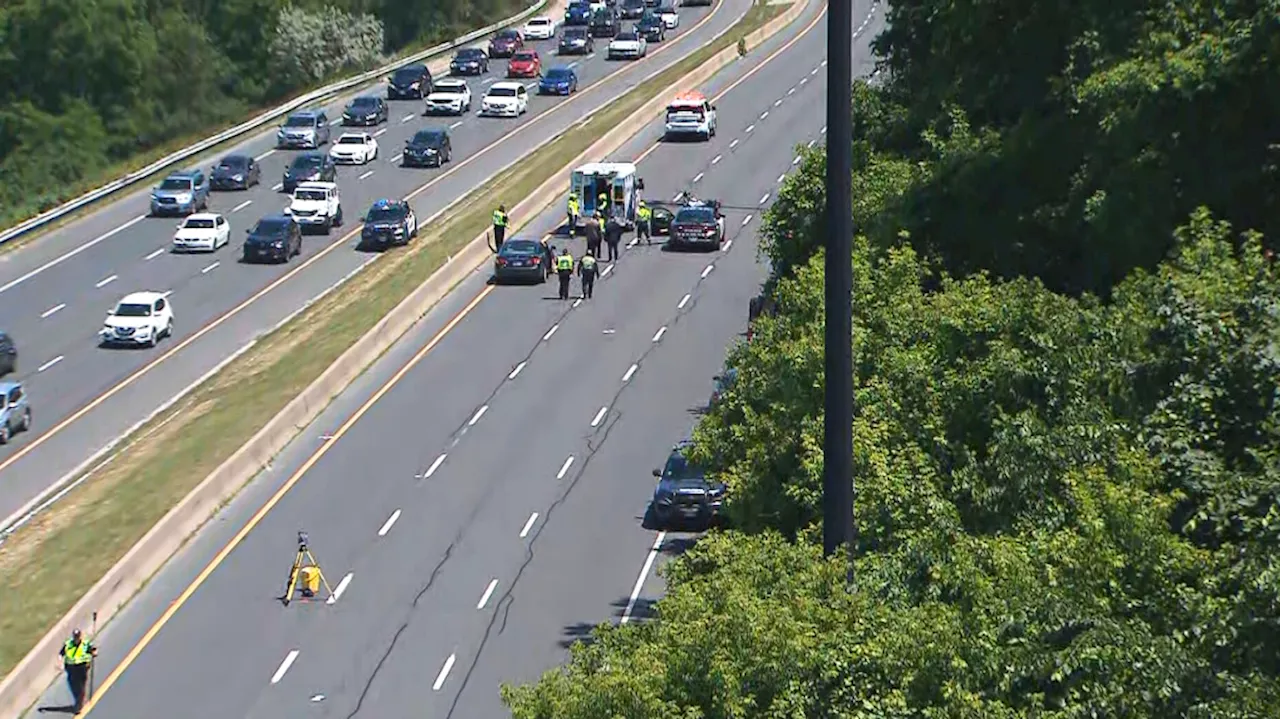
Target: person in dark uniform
pixel 564 268
pixel 77 658
pixel 594 236
pixel 612 236
pixel 587 271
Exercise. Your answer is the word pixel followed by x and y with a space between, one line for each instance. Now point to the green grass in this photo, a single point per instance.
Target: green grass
pixel 49 564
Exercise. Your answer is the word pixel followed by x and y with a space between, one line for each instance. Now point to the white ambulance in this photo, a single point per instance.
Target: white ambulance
pixel 617 180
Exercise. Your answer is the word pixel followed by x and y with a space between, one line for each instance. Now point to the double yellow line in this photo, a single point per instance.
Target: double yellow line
pixel 351 421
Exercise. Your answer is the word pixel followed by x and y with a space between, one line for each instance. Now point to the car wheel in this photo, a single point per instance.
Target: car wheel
pixel 168 329
pixel 26 420
pixel 4 433
pixel 337 218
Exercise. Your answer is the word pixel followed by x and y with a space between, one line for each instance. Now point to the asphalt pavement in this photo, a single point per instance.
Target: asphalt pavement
pixel 55 293
pixel 485 512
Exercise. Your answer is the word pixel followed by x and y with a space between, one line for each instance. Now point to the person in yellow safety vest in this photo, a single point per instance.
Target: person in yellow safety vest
pixel 499 227
pixel 587 271
pixel 643 217
pixel 573 213
pixel 602 204
pixel 77 658
pixel 564 268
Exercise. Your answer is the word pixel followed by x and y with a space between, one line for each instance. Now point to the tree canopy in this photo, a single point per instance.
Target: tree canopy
pixel 87 84
pixel 1066 373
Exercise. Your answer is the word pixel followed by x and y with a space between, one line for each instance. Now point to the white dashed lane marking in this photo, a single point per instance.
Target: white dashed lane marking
pixel 154 254
pixel 106 281
pixel 632 370
pixel 564 468
pixel 434 466
pixel 49 364
pixel 289 659
pixel 599 416
pixel 337 591
pixel 528 525
pixel 242 205
pixel 210 268
pixel 52 310
pixel 391 522
pixel 683 301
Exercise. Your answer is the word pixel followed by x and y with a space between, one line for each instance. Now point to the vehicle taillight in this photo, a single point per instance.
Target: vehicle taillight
pixel 536 260
pixel 709 231
pixel 502 261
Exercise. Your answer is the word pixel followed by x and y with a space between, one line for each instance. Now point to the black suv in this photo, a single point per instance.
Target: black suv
pixel 576 41
pixel 684 494
pixel 469 61
pixel 411 82
pixel 365 110
pixel 427 148
pixel 632 9
pixel 275 238
pixel 235 172
pixel 8 355
pixel 309 167
pixel 604 23
pixel 651 28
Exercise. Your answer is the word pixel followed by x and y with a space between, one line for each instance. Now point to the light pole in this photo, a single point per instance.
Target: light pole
pixel 837 445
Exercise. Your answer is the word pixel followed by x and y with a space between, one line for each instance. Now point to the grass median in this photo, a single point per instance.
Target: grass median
pixel 47 565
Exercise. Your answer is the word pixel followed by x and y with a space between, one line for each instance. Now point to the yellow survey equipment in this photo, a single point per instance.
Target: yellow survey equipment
pixel 305 576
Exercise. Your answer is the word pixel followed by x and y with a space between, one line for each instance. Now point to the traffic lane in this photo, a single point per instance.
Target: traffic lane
pixel 107 428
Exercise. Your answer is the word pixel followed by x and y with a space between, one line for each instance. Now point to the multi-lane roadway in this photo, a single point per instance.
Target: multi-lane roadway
pixel 475 499
pixel 55 293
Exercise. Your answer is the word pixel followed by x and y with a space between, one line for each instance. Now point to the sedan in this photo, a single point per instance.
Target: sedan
pixel 540 28
pixel 469 61
pixel 354 148
pixel 525 63
pixel 558 81
pixel 520 259
pixel 202 232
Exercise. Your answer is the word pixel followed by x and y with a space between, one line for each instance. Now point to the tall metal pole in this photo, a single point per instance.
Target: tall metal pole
pixel 837 448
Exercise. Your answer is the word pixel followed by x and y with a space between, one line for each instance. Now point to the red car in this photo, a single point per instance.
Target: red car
pixel 524 63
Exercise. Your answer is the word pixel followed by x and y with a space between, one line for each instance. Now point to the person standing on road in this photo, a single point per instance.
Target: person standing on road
pixel 602 204
pixel 573 213
pixel 499 227
pixel 595 236
pixel 77 658
pixel 587 271
pixel 643 217
pixel 612 236
pixel 564 268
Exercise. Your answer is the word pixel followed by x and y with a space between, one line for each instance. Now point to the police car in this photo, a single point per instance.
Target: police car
pixel 389 222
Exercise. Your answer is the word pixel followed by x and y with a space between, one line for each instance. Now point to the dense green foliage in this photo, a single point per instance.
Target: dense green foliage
pixel 1067 506
pixel 87 84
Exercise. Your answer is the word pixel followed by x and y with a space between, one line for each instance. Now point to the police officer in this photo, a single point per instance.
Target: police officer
pixel 499 226
pixel 573 213
pixel 644 216
pixel 77 658
pixel 587 271
pixel 564 268
pixel 595 235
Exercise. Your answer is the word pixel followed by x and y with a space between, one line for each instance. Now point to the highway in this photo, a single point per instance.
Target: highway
pixel 484 509
pixel 55 293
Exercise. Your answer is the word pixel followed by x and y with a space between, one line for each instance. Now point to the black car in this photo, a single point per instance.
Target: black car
pixel 469 61
pixel 235 172
pixel 632 9
pixel 427 148
pixel 576 41
pixel 684 494
pixel 660 220
pixel 699 225
pixel 389 222
pixel 275 238
pixel 309 167
pixel 605 23
pixel 651 28
pixel 505 43
pixel 365 110
pixel 409 82
pixel 577 13
pixel 8 355
pixel 521 259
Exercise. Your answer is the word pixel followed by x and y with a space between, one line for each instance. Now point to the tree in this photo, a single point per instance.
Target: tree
pixel 312 46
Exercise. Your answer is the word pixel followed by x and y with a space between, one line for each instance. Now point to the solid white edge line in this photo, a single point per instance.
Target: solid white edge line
pixel 551 331
pixel 338 590
pixel 599 416
pixel 644 574
pixel 476 417
pixel 52 310
pixel 488 592
pixel 289 659
pixel 516 371
pixel 434 466
pixel 564 468
pixel 528 525
pixel 630 371
pixel 49 364
pixel 66 256
pixel 444 672
pixel 683 301
pixel 387 525
pixel 661 331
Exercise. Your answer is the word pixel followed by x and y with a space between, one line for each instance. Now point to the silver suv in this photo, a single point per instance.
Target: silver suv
pixel 308 129
pixel 181 193
pixel 15 413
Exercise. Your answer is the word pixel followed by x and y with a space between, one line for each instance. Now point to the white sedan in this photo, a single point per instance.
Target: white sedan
pixel 539 28
pixel 202 232
pixel 354 148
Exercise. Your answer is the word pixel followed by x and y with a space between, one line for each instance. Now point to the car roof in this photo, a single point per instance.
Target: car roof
pixel 526 52
pixel 144 297
pixel 384 203
pixel 541 20
pixel 8 384
pixel 412 66
pixel 203 216
pixel 317 185
pixel 306 113
pixel 235 156
pixel 367 98
pixel 505 85
pixel 362 135
pixel 182 174
pixel 560 68
pixel 453 81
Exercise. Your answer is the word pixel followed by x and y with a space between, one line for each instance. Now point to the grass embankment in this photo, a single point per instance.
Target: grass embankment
pixel 46 566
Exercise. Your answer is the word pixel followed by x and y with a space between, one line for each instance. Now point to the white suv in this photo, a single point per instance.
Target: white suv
pixel 316 205
pixel 141 318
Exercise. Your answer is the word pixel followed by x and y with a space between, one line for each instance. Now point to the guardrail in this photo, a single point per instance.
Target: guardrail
pixel 89 198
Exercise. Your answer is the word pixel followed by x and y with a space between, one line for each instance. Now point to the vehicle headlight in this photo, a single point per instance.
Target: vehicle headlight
pixel 278 244
pixel 237 177
pixel 143 331
pixel 280 132
pixel 184 198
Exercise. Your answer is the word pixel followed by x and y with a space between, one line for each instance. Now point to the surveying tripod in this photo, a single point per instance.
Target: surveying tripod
pixel 304 563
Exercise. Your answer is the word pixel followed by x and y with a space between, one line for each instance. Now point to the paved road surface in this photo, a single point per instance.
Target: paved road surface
pixel 55 314
pixel 460 479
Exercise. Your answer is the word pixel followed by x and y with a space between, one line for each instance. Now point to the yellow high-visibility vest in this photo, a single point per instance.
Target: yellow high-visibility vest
pixel 589 263
pixel 76 654
pixel 564 263
pixel 573 205
pixel 644 213
pixel 499 218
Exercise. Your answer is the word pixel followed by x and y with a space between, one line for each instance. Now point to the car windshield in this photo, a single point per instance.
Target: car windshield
pixel 351 140
pixel 385 214
pixel 575 33
pixel 538 21
pixel 407 74
pixel 524 57
pixel 300 121
pixel 559 73
pixel 701 215
pixel 678 467
pixel 174 183
pixel 684 110
pixel 521 247
pixel 309 195
pixel 270 227
pixel 428 137
pixel 199 223
pixel 471 53
pixel 129 309
pixel 307 162
pixel 502 92
pixel 365 102
pixel 235 162
pixel 450 87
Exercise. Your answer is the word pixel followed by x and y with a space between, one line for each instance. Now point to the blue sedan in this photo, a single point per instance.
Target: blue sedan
pixel 558 81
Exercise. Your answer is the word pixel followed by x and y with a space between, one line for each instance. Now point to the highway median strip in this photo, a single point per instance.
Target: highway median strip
pixel 50 563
